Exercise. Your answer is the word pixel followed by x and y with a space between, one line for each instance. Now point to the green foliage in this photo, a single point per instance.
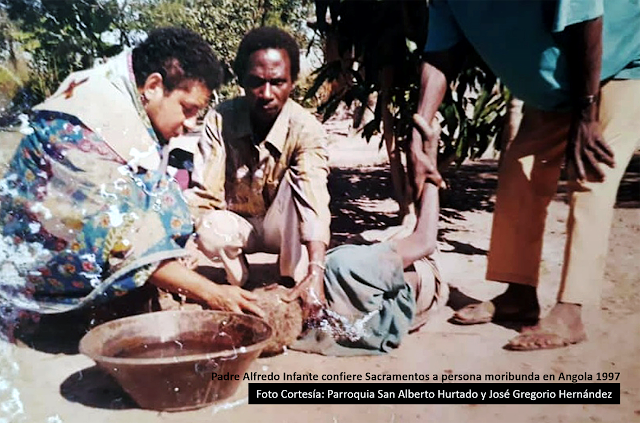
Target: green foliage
pixel 61 36
pixel 10 67
pixel 473 113
pixel 222 23
pixel 381 39
pixel 473 110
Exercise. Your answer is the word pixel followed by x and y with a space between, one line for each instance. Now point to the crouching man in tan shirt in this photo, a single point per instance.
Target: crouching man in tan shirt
pixel 259 182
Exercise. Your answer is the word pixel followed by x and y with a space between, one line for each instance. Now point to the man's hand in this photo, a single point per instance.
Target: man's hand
pixel 233 298
pixel 423 161
pixel 311 289
pixel 423 170
pixel 311 293
pixel 586 148
pixel 433 87
pixel 430 134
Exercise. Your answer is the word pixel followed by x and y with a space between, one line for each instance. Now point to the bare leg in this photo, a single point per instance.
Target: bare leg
pixel 422 242
pixel 424 280
pixel 429 290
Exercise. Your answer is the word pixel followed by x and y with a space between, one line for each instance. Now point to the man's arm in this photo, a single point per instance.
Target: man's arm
pixel 439 68
pixel 422 242
pixel 311 288
pixel 586 147
pixel 308 176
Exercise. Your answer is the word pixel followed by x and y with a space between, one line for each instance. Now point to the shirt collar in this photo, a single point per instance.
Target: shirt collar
pixel 278 133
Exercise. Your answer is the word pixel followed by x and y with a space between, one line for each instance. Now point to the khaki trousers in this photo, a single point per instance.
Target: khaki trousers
pixel 225 236
pixel 528 181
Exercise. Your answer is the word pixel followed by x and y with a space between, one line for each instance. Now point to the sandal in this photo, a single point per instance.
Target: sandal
pixel 486 312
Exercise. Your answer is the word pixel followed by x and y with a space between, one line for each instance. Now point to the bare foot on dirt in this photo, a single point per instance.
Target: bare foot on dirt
pixel 561 327
pixel 519 303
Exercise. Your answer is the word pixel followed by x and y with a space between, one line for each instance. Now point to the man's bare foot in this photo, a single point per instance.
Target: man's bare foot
pixel 519 303
pixel 561 327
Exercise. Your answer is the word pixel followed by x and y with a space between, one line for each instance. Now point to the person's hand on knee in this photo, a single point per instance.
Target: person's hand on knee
pixel 587 149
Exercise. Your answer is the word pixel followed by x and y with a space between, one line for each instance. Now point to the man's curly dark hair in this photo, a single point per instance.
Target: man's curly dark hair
pixel 178 55
pixel 264 38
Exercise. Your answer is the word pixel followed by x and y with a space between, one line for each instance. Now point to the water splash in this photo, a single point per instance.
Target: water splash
pixel 340 327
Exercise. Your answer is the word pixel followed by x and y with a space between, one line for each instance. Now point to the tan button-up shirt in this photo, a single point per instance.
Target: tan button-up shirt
pixel 233 171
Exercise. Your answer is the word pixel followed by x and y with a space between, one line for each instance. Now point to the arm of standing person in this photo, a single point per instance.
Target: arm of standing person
pixel 586 147
pixel 174 277
pixel 444 55
pixel 439 68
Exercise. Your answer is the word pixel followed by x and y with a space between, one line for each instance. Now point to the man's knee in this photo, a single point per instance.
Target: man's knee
pixel 220 229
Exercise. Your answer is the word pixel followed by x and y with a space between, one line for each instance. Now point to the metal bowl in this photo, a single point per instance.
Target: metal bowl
pixel 165 360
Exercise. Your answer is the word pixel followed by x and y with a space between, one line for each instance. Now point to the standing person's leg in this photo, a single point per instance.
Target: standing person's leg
pixel 592 203
pixel 511 125
pixel 527 182
pixel 589 224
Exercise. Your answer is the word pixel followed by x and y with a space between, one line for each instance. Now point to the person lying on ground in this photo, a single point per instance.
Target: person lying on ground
pixel 370 296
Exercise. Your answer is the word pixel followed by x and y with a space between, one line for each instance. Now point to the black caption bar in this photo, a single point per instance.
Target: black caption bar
pixel 426 393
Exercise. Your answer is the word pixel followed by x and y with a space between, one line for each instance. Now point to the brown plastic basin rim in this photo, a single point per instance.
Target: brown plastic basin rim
pixel 104 359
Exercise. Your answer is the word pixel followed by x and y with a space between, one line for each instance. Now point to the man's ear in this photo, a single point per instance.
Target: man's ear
pixel 153 87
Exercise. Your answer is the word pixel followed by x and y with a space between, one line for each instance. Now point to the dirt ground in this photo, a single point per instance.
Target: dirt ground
pixel 49 386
